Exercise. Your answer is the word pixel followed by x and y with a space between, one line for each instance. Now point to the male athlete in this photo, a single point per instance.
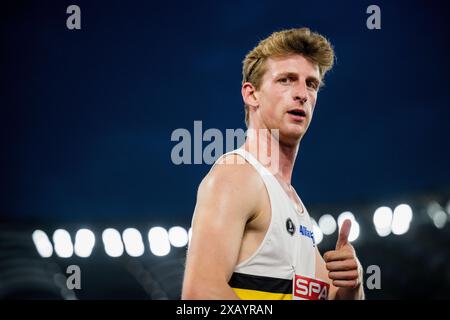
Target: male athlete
pixel 251 234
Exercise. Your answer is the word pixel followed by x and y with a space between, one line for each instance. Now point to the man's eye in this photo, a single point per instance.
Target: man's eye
pixel 312 84
pixel 284 80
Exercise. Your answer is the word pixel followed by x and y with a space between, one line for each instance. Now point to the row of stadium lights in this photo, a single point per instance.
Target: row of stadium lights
pixel 160 240
pixel 386 221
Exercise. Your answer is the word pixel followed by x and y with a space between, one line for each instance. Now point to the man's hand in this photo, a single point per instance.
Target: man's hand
pixel 342 264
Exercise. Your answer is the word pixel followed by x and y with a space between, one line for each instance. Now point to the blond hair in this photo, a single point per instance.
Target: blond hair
pixel 311 45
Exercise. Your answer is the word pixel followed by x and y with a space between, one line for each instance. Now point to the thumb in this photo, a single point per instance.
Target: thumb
pixel 343 234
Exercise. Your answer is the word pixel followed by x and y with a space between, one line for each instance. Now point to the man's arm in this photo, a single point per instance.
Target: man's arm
pixel 341 268
pixel 227 198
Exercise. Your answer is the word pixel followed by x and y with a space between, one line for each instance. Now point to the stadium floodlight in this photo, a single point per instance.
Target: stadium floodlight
pixel 439 219
pixel 84 243
pixel 327 224
pixel 318 235
pixel 189 235
pixel 382 219
pixel 401 221
pixel 437 214
pixel 134 244
pixel 433 208
pixel 112 242
pixel 158 239
pixel 62 243
pixel 42 243
pixel 178 236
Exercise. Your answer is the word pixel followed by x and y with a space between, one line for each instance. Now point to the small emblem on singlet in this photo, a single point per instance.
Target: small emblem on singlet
pixel 290 227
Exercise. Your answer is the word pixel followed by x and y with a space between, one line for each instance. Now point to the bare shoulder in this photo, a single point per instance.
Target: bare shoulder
pixel 233 180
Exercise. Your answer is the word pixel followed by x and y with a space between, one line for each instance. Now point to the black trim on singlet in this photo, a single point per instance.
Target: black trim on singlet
pixel 260 283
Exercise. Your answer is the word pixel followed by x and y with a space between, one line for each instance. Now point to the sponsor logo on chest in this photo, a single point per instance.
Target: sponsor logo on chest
pixel 304 231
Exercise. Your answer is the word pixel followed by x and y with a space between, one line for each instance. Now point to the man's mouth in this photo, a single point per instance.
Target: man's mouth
pixel 298 114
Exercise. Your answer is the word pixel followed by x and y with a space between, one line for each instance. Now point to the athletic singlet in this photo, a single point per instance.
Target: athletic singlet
pixel 283 266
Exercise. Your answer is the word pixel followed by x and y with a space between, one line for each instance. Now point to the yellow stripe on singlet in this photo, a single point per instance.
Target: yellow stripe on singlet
pixel 256 287
pixel 248 294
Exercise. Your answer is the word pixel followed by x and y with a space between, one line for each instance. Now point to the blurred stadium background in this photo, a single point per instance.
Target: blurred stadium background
pixel 409 241
pixel 86 120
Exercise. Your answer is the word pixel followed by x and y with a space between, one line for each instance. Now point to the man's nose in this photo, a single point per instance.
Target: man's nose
pixel 301 93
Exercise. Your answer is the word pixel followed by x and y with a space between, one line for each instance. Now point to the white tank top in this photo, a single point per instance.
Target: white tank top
pixel 284 263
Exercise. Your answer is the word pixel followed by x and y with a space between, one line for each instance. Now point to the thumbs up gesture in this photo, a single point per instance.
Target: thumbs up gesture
pixel 342 264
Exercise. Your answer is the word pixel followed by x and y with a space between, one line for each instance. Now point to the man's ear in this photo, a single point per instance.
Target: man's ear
pixel 249 95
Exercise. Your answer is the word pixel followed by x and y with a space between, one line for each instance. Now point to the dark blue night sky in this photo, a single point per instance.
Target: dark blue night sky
pixel 87 116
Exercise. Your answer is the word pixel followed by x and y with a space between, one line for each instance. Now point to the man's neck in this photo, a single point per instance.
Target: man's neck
pixel 277 157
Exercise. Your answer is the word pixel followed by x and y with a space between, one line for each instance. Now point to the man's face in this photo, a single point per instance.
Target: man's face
pixel 287 96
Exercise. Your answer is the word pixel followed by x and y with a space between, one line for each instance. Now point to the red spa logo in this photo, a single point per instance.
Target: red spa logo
pixel 310 289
